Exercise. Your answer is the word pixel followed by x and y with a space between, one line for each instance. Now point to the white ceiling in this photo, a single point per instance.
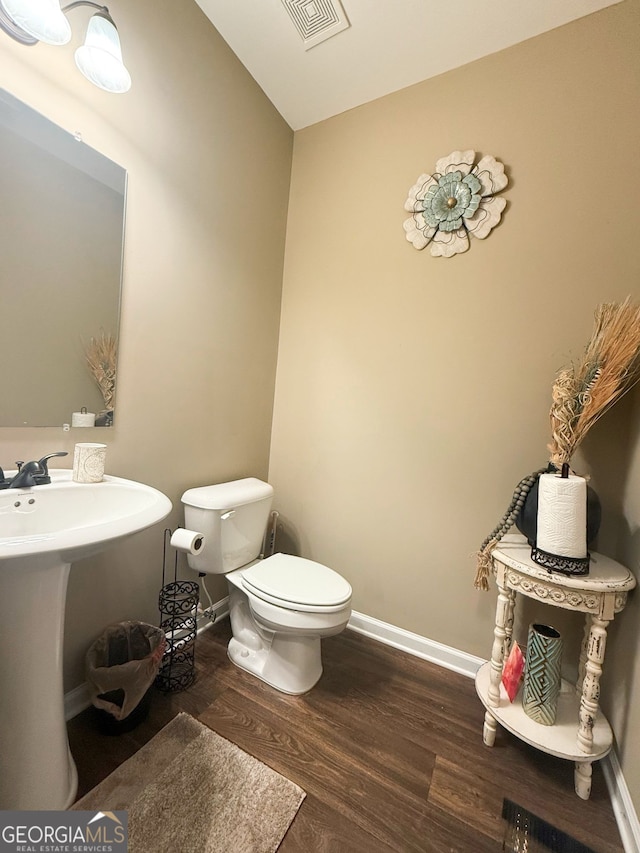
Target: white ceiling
pixel 389 45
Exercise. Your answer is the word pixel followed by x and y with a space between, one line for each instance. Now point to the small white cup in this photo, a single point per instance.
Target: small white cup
pixel 88 462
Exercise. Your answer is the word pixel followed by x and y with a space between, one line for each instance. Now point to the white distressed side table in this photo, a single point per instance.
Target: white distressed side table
pixel 581 733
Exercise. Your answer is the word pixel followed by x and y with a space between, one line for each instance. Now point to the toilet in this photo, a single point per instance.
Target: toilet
pixel 281 606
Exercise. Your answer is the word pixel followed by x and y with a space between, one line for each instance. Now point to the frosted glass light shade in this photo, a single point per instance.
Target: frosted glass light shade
pixel 42 19
pixel 100 57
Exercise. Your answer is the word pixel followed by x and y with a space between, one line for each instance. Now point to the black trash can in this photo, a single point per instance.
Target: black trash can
pixel 120 668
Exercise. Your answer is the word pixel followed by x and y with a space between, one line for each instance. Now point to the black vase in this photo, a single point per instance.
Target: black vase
pixel 527 519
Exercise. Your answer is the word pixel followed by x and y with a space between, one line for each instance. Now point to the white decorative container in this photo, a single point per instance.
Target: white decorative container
pixel 88 462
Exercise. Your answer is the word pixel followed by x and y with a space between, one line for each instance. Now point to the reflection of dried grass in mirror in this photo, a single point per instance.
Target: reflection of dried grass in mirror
pixel 101 358
pixel 609 367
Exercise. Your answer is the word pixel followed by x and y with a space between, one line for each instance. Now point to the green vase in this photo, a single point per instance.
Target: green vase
pixel 542 674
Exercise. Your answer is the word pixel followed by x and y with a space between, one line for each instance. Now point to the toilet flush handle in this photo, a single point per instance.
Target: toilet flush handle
pixel 226 515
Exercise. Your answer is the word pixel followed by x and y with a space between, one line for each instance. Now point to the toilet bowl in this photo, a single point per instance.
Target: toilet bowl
pixel 280 607
pixel 278 621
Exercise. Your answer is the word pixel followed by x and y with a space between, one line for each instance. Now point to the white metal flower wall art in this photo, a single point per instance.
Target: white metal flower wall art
pixel 457 200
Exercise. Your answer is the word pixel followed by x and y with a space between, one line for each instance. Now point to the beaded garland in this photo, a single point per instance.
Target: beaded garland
pixel 517 502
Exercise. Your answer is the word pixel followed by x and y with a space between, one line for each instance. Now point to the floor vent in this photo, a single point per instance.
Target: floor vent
pixel 316 20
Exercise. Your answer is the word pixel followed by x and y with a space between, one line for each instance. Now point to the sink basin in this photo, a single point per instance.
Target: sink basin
pixel 43 530
pixel 75 520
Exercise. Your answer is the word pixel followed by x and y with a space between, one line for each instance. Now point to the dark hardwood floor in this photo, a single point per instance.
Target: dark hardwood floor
pixel 388 748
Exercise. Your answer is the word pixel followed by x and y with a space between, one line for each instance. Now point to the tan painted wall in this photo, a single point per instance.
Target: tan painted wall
pixel 412 392
pixel 208 159
pixel 621 685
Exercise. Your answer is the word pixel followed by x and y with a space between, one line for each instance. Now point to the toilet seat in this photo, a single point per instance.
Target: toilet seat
pixel 296 583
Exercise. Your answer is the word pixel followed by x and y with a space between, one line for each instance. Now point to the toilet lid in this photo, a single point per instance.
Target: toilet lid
pixel 294 581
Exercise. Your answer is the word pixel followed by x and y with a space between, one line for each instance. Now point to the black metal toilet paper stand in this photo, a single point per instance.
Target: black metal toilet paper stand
pixel 178 605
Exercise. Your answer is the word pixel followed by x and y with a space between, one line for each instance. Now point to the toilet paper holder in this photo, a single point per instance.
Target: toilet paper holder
pixel 178 605
pixel 187 541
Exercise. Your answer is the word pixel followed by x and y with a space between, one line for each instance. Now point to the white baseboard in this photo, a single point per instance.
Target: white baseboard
pixel 414 644
pixel 623 808
pixel 450 658
pixel 76 700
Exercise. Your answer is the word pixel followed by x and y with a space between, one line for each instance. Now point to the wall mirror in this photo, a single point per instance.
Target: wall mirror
pixel 61 242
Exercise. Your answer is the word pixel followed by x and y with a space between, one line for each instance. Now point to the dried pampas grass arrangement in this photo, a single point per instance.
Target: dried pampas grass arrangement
pixel 101 359
pixel 581 394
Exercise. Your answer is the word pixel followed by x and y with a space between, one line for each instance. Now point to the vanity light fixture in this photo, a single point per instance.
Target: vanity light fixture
pixel 99 58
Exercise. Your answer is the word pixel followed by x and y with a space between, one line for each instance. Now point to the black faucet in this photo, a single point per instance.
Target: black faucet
pixel 44 478
pixel 33 473
pixel 26 476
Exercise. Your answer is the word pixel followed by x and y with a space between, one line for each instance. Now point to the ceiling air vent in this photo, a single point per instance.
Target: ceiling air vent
pixel 316 20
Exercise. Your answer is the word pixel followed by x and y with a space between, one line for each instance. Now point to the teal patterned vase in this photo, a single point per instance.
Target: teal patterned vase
pixel 542 674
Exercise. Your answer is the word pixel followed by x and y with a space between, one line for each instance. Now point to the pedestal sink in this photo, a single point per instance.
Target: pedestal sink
pixel 42 531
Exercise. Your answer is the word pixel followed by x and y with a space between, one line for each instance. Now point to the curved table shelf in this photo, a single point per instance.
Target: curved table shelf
pixel 560 739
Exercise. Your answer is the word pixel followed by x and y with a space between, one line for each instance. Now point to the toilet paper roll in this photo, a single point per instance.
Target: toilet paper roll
pixel 562 515
pixel 189 541
pixel 88 462
pixel 83 419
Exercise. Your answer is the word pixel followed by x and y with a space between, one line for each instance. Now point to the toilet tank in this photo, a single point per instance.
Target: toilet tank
pixel 233 518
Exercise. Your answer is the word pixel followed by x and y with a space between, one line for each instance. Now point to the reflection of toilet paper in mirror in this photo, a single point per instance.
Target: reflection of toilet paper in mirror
pixel 189 541
pixel 83 418
pixel 562 515
pixel 88 462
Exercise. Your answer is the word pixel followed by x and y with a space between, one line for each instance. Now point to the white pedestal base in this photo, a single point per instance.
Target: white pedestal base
pixel 37 771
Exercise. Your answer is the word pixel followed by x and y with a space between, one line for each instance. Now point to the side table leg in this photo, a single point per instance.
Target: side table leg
pixel 489 730
pixel 591 683
pixel 508 627
pixel 583 656
pixel 582 779
pixel 501 634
